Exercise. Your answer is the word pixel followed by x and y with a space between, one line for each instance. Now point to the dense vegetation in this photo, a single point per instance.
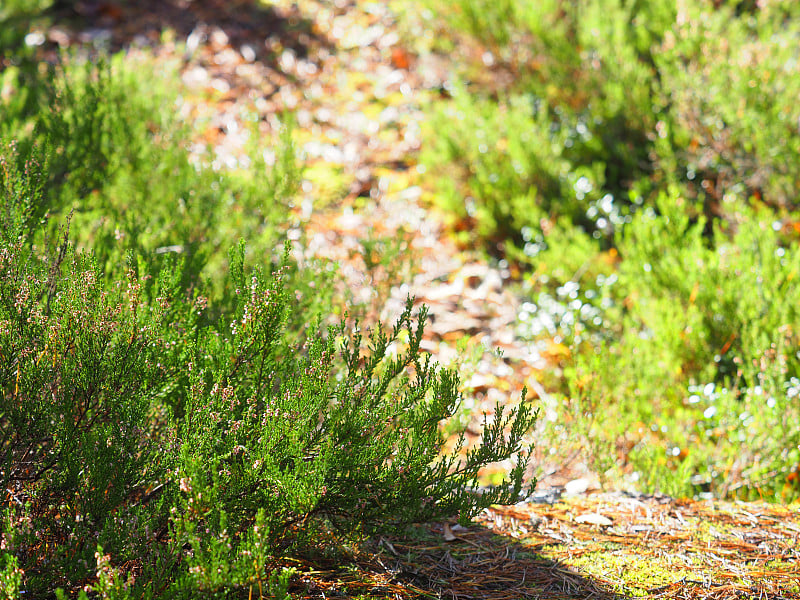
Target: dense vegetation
pixel 177 412
pixel 638 161
pixel 181 407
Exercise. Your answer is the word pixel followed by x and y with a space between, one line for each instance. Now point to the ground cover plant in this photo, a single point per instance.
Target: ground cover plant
pixel 178 413
pixel 637 160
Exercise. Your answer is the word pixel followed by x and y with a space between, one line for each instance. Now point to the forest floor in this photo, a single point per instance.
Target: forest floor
pixel 357 94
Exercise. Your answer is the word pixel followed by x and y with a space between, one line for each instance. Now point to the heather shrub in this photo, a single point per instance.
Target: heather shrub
pixel 169 436
pixel 507 158
pixel 571 136
pixel 80 376
pixel 730 81
pixel 710 331
pixel 695 358
pixel 636 162
pixel 177 418
pixel 117 159
pixel 608 105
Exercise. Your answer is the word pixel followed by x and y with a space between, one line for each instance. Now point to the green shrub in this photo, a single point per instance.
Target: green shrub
pixel 507 158
pixel 730 83
pixel 174 420
pixel 117 159
pixel 574 131
pixel 619 99
pixel 640 163
pixel 189 429
pixel 702 361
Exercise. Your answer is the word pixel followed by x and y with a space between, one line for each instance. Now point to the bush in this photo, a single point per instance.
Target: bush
pixel 610 103
pixel 705 351
pixel 730 83
pixel 117 159
pixel 574 130
pixel 640 165
pixel 265 445
pixel 170 430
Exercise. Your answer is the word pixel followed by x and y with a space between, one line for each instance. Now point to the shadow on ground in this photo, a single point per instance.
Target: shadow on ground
pixel 477 564
pixel 118 24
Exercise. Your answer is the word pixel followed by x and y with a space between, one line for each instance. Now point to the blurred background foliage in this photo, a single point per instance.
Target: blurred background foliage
pixel 638 163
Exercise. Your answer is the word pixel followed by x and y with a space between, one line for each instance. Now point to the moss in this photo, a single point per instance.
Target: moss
pixel 631 573
pixel 709 531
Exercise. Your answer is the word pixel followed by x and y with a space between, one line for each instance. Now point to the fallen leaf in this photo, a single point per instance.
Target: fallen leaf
pixel 556 351
pixel 400 58
pixel 111 11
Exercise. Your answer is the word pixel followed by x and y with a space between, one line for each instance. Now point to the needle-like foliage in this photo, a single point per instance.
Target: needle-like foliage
pixel 199 437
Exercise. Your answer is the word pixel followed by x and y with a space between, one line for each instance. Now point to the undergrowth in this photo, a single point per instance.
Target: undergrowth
pixel 638 161
pixel 178 414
